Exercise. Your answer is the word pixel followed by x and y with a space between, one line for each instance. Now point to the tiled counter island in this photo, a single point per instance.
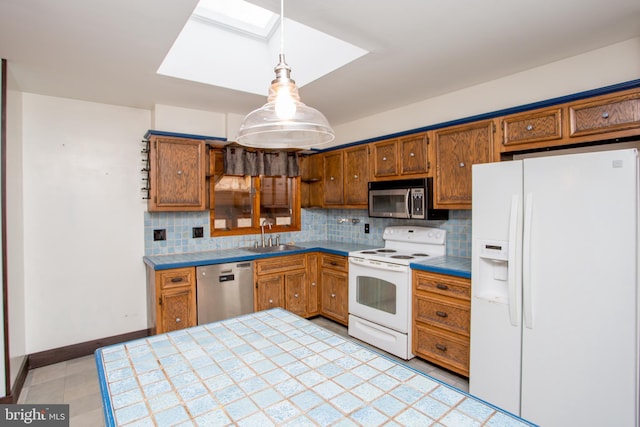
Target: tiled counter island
pixel 274 368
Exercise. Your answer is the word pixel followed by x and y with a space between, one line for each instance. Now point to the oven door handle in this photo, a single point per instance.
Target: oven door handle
pixel 365 263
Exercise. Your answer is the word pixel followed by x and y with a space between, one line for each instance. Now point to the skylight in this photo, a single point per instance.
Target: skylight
pixel 238 15
pixel 234 44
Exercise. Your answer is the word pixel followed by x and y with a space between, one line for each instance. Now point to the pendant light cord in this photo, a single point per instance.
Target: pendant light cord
pixel 282 27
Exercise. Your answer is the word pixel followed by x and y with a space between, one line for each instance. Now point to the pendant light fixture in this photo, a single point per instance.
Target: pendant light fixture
pixel 284 122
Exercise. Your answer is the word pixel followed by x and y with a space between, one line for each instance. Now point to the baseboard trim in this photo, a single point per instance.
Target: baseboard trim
pixel 61 354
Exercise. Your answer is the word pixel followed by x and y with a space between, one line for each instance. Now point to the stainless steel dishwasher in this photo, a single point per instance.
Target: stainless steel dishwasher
pixel 224 291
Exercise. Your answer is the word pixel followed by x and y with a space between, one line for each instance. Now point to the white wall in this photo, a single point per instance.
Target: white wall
pixel 599 68
pixel 189 121
pixel 83 221
pixel 15 234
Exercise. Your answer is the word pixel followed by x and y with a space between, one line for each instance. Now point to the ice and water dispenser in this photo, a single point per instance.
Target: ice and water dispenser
pixel 492 282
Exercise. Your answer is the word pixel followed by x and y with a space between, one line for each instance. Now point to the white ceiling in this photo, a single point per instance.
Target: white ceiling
pixel 109 51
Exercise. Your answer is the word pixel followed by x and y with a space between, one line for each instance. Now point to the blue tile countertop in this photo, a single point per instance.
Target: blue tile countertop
pixel 195 259
pixel 455 266
pixel 273 368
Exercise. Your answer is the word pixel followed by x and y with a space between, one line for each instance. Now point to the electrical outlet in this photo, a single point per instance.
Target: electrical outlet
pixel 159 234
pixel 366 229
pixel 197 232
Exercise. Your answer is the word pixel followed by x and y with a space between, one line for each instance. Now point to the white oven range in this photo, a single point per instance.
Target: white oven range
pixel 380 283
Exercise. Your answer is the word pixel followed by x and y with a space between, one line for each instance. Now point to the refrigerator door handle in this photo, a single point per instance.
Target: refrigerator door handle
pixel 526 263
pixel 511 259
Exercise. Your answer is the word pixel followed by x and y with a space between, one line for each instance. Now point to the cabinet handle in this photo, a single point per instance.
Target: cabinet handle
pixel 178 320
pixel 529 127
pixel 270 301
pixel 605 115
pixel 461 164
pixel 179 172
pixel 384 159
pixel 441 314
pixel 313 283
pixel 331 178
pixel 441 347
pixel 176 279
pixel 333 263
pixel 412 155
pixel 333 295
pixel 442 286
pixel 295 295
pixel 355 176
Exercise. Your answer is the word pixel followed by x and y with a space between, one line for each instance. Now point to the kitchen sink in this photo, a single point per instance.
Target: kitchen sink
pixel 277 248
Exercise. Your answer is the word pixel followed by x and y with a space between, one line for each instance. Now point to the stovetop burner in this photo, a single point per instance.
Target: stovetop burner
pixel 407 244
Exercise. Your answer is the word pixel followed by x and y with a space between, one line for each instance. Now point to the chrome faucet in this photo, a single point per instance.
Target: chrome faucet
pixel 264 222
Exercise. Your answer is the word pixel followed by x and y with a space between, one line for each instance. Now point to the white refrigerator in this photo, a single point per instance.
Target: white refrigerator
pixel 554 308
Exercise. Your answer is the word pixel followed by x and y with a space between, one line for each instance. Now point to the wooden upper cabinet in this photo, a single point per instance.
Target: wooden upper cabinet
pixel 530 128
pixel 356 179
pixel 346 177
pixel 611 113
pixel 400 157
pixel 413 155
pixel 177 174
pixel 385 158
pixel 311 190
pixel 333 178
pixel 457 148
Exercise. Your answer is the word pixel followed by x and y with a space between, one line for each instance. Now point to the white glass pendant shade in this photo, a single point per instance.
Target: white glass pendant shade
pixel 284 121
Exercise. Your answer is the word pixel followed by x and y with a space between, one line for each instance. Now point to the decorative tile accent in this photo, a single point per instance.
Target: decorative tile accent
pixel 224 374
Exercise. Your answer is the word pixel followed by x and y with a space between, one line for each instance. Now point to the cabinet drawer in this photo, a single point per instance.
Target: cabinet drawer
pixel 176 277
pixel 442 284
pixel 281 264
pixel 448 350
pixel 526 128
pixel 335 262
pixel 449 315
pixel 611 114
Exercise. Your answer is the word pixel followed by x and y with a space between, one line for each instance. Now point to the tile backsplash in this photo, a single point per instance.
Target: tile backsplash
pixel 317 224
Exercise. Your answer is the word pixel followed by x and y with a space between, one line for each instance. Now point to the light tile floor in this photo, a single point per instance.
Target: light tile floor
pixel 76 382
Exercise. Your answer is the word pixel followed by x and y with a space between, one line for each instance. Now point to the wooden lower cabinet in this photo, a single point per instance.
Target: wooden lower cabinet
pixel 172 299
pixel 334 277
pixel 289 282
pixel 441 320
pixel 269 292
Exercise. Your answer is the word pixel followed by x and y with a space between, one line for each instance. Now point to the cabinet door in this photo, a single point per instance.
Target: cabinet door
pixel 295 284
pixel 176 309
pixel 606 114
pixel 524 130
pixel 333 179
pixel 177 175
pixel 270 292
pixel 457 148
pixel 313 291
pixel 334 295
pixel 413 157
pixel 385 158
pixel 356 178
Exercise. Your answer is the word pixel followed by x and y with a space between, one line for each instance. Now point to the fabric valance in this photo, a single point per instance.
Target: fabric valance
pixel 241 161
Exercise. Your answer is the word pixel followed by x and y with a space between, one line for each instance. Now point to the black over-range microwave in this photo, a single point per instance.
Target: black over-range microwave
pixel 404 198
